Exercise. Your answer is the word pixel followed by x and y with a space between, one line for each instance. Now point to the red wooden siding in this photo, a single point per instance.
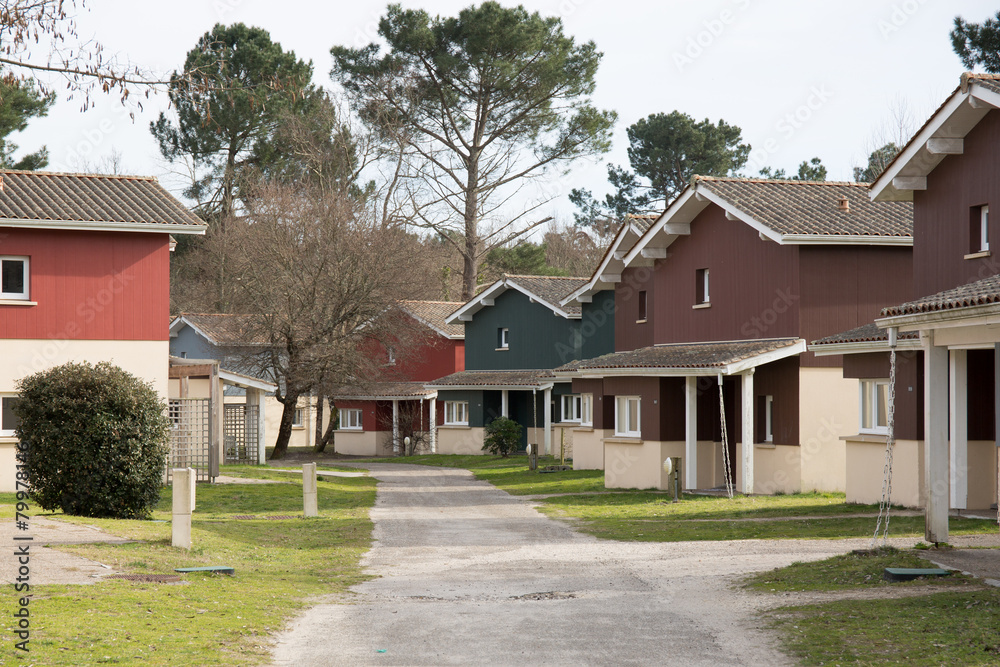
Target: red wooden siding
pixel 424 356
pixel 843 287
pixel 90 285
pixel 941 213
pixel 367 412
pixel 630 335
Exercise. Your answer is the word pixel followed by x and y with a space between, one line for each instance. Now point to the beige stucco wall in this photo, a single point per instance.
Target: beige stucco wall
pixel 776 469
pixel 588 448
pixel 828 411
pixel 563 438
pixel 710 471
pixel 460 440
pixel 638 464
pixel 866 467
pixel 356 443
pixel 982 474
pixel 144 359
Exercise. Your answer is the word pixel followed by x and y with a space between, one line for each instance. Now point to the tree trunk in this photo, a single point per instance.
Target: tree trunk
pixel 329 437
pixel 318 431
pixel 470 256
pixel 285 429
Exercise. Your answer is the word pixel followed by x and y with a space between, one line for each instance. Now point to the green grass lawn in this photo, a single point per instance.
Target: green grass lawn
pixel 932 627
pixel 209 619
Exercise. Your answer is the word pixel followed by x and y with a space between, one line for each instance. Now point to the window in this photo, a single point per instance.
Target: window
pixel 8 420
pixel 503 341
pixel 874 406
pixel 701 287
pixel 571 407
pixel 14 278
pixel 979 229
pixel 627 416
pixel 456 413
pixel 350 419
pixel 392 356
pixel 297 419
pixel 642 306
pixel 586 409
pixel 769 419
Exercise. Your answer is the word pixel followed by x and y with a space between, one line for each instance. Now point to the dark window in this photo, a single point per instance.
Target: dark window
pixel 503 340
pixel 701 286
pixel 642 305
pixel 12 277
pixel 8 420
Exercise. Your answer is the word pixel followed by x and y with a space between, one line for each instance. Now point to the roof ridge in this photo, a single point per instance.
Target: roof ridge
pixel 782 181
pixel 523 275
pixel 428 301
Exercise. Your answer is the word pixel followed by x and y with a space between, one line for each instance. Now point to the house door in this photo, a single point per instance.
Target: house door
pixel 731 391
pixel 519 409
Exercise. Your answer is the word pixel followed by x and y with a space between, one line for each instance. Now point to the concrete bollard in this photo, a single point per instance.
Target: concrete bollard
pixel 183 506
pixel 310 507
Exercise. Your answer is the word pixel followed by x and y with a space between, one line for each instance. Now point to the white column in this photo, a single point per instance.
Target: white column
pixel 958 418
pixel 433 425
pixel 547 417
pixel 504 403
pixel 935 440
pixel 748 431
pixel 395 426
pixel 183 485
pixel 309 498
pixel 691 433
pixel 261 429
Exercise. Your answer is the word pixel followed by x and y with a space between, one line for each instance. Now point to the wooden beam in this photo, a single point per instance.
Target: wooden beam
pixel 654 253
pixel 677 228
pixel 619 254
pixel 611 277
pixel 201 370
pixel 945 145
pixel 910 182
pixel 730 216
pixel 488 302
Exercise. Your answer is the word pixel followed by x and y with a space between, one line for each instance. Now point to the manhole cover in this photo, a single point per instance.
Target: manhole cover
pixel 284 516
pixel 244 517
pixel 549 595
pixel 150 578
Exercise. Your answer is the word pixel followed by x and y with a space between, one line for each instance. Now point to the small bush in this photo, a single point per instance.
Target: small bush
pixel 96 440
pixel 503 437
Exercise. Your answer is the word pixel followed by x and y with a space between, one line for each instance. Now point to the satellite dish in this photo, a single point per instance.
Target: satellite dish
pixel 530 447
pixel 668 465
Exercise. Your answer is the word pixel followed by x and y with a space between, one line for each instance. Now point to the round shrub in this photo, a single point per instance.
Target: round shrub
pixel 95 439
pixel 503 437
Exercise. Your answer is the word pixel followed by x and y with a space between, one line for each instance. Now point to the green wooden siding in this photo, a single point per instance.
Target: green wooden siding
pixel 597 326
pixel 475 400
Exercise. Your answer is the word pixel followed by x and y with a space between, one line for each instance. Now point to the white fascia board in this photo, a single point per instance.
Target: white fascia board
pixel 435 329
pixel 596 284
pixel 985 95
pixel 861 347
pixel 793 350
pixel 845 239
pixel 240 380
pixel 351 397
pixel 944 319
pixel 537 299
pixel 101 226
pixel 477 303
pixel 742 216
pixel 196 330
pixel 669 217
pixel 882 189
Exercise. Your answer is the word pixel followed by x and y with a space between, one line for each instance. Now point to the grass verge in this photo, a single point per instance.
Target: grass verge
pixel 208 619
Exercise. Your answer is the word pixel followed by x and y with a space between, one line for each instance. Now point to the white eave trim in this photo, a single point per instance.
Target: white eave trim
pixel 101 226
pixel 246 381
pixel 351 397
pixel 861 347
pixel 432 327
pixel 487 296
pixel 846 239
pixel 661 223
pixel 496 387
pixel 742 216
pixel 944 319
pixel 596 284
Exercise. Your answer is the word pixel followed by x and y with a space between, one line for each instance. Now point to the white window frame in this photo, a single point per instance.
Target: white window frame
pixel 351 419
pixel 6 433
pixel 25 294
pixel 586 409
pixel 706 297
pixel 504 342
pixel 622 407
pixel 572 408
pixel 391 356
pixel 298 418
pixel 769 419
pixel 984 228
pixel 869 393
pixel 456 413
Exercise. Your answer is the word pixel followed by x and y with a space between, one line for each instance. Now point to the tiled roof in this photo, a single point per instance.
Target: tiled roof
pixel 811 207
pixel 642 220
pixel 989 81
pixel 383 389
pixel 529 378
pixel 683 355
pixel 43 196
pixel 223 329
pixel 552 289
pixel 433 313
pixel 869 333
pixel 980 293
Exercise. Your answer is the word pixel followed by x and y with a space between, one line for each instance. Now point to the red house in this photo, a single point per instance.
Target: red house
pixel 713 304
pixel 84 276
pixel 376 417
pixel 946 334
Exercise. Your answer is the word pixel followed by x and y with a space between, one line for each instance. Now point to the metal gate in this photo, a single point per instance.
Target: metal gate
pixel 191 436
pixel 240 433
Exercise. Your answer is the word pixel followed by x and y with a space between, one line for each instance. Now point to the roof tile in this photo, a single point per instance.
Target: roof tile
pixel 682 355
pixel 528 378
pixel 869 333
pixel 433 313
pixel 979 293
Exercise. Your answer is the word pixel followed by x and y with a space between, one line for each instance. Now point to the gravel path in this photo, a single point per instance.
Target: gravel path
pixel 469 575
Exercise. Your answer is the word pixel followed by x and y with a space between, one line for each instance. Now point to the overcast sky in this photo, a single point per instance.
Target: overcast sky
pixel 801 79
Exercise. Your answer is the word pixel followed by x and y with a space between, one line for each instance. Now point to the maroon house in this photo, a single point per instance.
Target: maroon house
pixel 947 335
pixel 376 416
pixel 723 290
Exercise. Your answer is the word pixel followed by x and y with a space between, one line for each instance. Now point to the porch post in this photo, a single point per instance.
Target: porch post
pixel 747 431
pixel 958 418
pixel 395 426
pixel 996 411
pixel 504 403
pixel 433 425
pixel 935 439
pixel 261 430
pixel 691 432
pixel 547 416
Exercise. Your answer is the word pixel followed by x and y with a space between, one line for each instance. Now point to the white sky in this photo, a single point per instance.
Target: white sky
pixel 839 66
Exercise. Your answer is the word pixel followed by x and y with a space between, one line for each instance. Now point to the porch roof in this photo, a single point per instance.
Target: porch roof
pixel 966 301
pixel 687 359
pixel 866 338
pixel 385 391
pixel 521 379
